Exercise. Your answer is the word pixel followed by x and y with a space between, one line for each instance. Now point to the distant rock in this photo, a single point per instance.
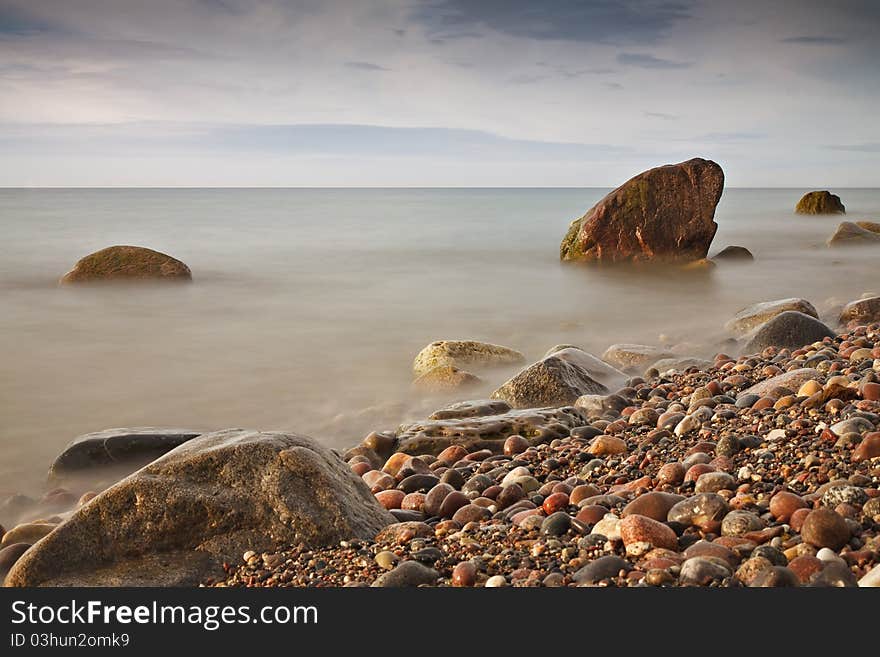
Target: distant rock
pixel 790 329
pixel 753 316
pixel 127 263
pixel 464 354
pixel 665 214
pixel 823 202
pixel 130 448
pixel 553 381
pixel 861 312
pixel 634 357
pixel 177 520
pixel 737 253
pixel 445 378
pixel 851 234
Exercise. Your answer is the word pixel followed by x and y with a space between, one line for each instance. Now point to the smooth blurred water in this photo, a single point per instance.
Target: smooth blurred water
pixel 308 305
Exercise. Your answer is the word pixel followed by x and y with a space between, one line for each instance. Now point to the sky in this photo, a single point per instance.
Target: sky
pixel 781 93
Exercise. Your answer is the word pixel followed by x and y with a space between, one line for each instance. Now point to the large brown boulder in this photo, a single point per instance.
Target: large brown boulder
pixel 464 354
pixel 175 521
pixel 862 311
pixel 823 202
pixel 127 263
pixel 665 214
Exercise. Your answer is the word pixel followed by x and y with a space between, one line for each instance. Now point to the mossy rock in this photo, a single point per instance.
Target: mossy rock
pixel 127 263
pixel 823 202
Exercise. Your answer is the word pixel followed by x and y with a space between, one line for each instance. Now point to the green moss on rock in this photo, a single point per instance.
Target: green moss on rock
pixel 823 202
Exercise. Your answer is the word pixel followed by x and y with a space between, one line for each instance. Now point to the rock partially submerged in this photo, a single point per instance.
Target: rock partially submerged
pixel 790 329
pixel 753 316
pixel 665 365
pixel 734 253
pixel 464 354
pixel 130 448
pixel 851 234
pixel 665 214
pixel 823 202
pixel 552 381
pixel 861 312
pixel 174 522
pixel 445 378
pixel 596 367
pixel 488 431
pixel 127 263
pixel 634 357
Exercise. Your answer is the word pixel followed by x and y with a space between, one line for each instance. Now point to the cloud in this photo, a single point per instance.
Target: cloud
pixel 644 60
pixel 728 137
pixel 612 85
pixel 15 21
pixel 524 78
pixel 661 115
pixel 869 147
pixel 596 21
pixel 817 40
pixel 327 140
pixel 365 66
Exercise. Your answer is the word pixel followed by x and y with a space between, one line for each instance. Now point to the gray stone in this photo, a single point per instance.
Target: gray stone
pixel 606 567
pixel 552 381
pixel 851 234
pixel 407 574
pixel 753 316
pixel 790 329
pixel 131 448
pixel 175 521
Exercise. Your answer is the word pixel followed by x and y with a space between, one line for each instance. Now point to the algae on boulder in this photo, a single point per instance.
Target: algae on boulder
pixel 127 263
pixel 175 521
pixel 665 214
pixel 464 354
pixel 823 202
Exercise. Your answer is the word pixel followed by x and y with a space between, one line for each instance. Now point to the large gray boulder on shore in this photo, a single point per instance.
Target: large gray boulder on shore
pixel 791 330
pixel 175 521
pixel 665 214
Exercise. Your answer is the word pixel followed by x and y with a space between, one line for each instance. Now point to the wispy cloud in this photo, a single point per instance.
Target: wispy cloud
pixel 661 115
pixel 727 137
pixel 602 21
pixel 365 66
pixel 645 60
pixel 815 40
pixel 869 147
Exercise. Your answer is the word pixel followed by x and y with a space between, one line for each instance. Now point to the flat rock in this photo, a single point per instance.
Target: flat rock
pixel 488 432
pixel 753 316
pixel 471 408
pixel 665 214
pixel 681 364
pixel 130 448
pixel 464 354
pixel 790 329
pixel 175 521
pixel 851 234
pixel 551 381
pixel 127 263
pixel 634 356
pixel 821 202
pixel 792 380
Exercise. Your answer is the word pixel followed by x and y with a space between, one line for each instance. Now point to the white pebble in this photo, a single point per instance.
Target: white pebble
pixel 496 581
